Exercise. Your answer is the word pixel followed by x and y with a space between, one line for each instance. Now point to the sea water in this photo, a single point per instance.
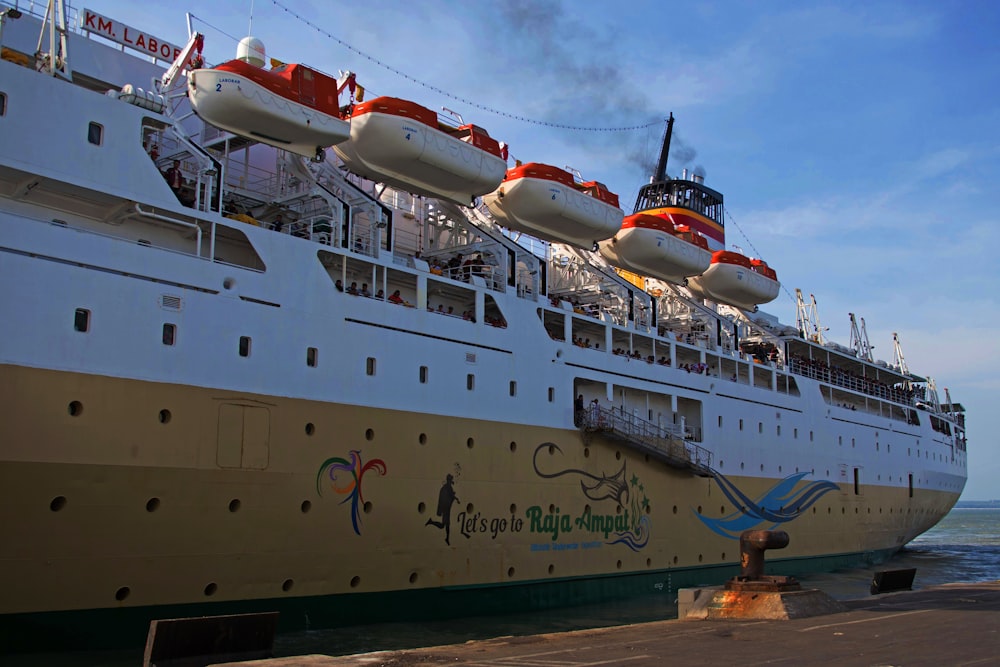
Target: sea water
pixel 963 547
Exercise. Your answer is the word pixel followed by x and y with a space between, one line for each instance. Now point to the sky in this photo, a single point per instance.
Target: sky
pixel 856 143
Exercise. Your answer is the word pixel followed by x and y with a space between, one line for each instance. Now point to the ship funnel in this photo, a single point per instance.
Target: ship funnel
pixel 684 174
pixel 251 50
pixel 697 178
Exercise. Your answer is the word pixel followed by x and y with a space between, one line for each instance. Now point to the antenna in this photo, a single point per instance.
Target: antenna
pixel 250 27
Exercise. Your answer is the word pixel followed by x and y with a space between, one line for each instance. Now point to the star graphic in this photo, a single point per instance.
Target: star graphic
pixel 635 480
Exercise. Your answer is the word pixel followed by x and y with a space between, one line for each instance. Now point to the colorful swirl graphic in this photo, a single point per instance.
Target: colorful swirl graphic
pixel 780 504
pixel 345 479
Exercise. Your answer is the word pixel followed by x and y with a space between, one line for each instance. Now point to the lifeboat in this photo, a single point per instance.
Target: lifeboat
pixel 292 107
pixel 654 246
pixel 737 280
pixel 404 145
pixel 548 203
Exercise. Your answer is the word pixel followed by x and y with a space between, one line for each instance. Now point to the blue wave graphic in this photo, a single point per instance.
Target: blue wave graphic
pixel 780 504
pixel 634 540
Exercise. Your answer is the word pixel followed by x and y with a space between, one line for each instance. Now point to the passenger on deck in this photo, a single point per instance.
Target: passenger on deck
pixel 175 179
pixel 395 297
pixel 339 285
pixel 353 289
pixel 278 224
pixel 364 290
pixel 380 295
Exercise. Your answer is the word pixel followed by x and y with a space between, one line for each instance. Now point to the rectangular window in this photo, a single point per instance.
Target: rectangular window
pixel 911 484
pixel 470 381
pixel 857 481
pixel 3 104
pixel 423 375
pixel 778 429
pixel 244 346
pixel 795 433
pixel 741 424
pixel 513 388
pixel 720 421
pixel 81 320
pixel 760 427
pixel 169 333
pixel 370 366
pixel 312 356
pixel 95 133
pixel 552 394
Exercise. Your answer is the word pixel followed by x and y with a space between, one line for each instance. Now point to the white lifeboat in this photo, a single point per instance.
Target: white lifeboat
pixel 402 144
pixel 652 245
pixel 292 107
pixel 737 280
pixel 548 203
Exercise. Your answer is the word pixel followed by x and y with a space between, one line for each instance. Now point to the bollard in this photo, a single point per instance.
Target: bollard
pixel 753 543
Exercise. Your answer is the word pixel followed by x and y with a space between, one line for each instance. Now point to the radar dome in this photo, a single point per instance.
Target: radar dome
pixel 251 50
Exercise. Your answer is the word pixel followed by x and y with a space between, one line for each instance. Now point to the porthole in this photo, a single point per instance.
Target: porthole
pixel 470 443
pixel 75 408
pixel 164 416
pixel 57 503
pixel 367 507
pixel 234 505
pixel 152 504
pixel 413 577
pixel 355 581
pixel 305 506
pixel 619 565
pixel 122 593
pixel 513 446
pixel 95 133
pixel 421 508
pixel 422 438
pixel 210 589
pixel 244 347
pixel 310 428
pixel 369 435
pixel 510 572
pixel 675 560
pixel 552 568
pixel 169 335
pixel 287 584
pixel 81 320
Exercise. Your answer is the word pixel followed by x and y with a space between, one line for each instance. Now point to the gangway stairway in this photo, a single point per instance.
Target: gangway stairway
pixel 647 437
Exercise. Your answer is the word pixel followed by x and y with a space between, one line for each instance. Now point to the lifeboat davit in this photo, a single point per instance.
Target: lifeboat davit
pixel 292 107
pixel 548 203
pixel 404 145
pixel 737 280
pixel 652 245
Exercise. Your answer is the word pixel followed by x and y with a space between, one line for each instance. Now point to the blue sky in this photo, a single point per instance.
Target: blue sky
pixel 856 143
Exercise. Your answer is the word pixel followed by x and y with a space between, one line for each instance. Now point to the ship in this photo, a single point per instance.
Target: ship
pixel 242 373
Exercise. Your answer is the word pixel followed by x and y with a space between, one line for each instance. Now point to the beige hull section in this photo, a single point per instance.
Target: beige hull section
pixel 156 494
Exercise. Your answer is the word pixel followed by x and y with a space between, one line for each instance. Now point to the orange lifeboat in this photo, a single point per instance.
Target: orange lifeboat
pixel 292 107
pixel 737 280
pixel 405 145
pixel 547 202
pixel 652 245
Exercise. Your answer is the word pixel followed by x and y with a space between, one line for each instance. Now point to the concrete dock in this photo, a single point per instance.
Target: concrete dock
pixel 954 624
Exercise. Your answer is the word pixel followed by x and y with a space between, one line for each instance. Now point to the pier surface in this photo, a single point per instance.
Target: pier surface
pixel 953 624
